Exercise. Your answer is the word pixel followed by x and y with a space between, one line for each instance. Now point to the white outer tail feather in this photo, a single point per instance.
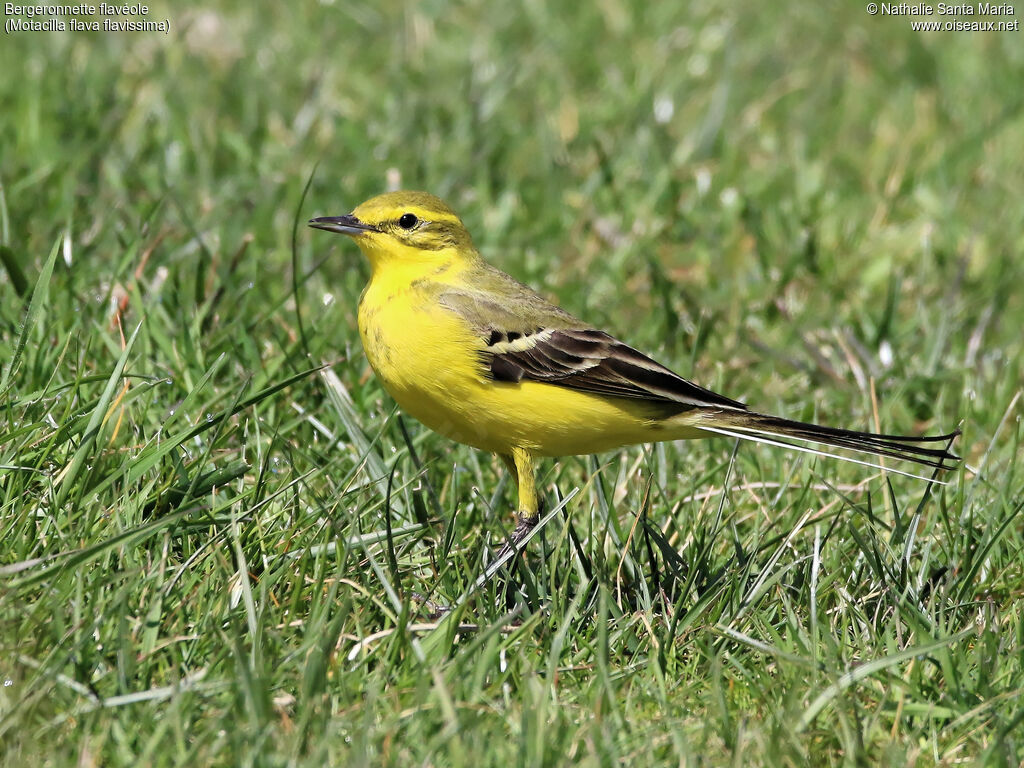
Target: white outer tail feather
pixel 759 436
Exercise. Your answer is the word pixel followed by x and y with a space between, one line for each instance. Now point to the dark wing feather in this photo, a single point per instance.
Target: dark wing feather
pixel 593 361
pixel 527 338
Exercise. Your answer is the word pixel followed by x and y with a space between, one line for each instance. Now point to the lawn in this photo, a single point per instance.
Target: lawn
pixel 219 538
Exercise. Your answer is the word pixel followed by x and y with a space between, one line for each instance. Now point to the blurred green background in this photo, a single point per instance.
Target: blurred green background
pixel 210 546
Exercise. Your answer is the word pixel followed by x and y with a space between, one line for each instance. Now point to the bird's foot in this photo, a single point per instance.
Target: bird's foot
pixel 525 524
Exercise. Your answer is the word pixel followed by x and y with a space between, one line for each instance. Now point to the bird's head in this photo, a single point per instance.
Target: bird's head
pixel 414 230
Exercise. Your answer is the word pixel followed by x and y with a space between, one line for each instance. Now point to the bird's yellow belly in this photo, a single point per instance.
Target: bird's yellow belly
pixel 427 360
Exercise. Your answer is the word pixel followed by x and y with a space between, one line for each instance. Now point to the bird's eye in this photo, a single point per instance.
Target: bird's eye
pixel 408 221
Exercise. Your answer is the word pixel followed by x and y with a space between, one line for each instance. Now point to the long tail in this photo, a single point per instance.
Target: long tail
pixel 761 428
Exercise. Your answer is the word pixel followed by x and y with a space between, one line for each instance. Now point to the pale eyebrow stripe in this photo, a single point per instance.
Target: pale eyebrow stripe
pixel 432 216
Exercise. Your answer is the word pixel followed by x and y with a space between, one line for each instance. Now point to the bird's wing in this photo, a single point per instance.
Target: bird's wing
pixel 525 338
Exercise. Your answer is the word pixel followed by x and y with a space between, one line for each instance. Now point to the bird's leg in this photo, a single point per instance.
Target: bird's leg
pixel 520 464
pixel 529 512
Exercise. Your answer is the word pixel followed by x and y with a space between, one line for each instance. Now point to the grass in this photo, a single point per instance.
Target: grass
pixel 214 520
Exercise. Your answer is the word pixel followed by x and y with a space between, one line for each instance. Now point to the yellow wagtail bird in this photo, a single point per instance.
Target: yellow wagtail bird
pixel 479 357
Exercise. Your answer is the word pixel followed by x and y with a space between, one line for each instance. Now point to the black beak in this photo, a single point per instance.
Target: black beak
pixel 345 225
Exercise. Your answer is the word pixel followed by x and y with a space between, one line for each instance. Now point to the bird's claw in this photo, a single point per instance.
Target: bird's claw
pixel 525 524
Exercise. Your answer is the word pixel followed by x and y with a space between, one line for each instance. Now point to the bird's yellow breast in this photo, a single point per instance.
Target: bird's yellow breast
pixel 430 361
